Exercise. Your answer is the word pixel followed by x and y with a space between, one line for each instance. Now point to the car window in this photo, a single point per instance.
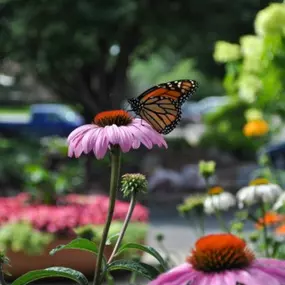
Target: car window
pixel 54 118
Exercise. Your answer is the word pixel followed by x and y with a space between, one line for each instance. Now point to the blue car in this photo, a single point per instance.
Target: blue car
pixel 40 121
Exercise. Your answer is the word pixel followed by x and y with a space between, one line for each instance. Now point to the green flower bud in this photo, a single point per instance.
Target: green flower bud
pixel 207 168
pixel 133 182
pixel 237 227
pixel 194 202
pixel 226 52
pixel 264 160
pixel 159 237
pixel 253 237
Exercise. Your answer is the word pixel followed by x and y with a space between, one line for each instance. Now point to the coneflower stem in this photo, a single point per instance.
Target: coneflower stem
pixel 221 221
pixel 264 230
pixel 201 218
pixel 115 173
pixel 125 225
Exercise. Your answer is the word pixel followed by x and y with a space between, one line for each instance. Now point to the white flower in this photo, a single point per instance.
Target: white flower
pixel 280 202
pixel 258 190
pixel 221 202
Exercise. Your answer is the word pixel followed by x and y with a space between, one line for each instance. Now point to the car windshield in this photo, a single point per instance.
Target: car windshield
pixel 67 114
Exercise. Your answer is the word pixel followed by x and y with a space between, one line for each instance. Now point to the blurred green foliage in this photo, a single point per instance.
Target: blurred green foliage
pixel 83 51
pixel 22 237
pixel 254 79
pixel 40 168
pixel 159 70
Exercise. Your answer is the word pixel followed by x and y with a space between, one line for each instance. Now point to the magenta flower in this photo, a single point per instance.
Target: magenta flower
pixel 78 210
pixel 224 259
pixel 112 128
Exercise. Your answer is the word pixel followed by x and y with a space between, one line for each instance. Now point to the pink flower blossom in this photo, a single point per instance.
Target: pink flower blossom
pixel 224 259
pixel 78 210
pixel 112 128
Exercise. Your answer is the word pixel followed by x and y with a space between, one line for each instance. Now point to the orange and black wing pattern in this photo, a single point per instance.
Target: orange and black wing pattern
pixel 161 105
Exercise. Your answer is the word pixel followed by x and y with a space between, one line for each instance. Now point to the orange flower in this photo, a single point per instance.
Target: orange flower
pixel 269 219
pixel 218 252
pixel 256 128
pixel 280 230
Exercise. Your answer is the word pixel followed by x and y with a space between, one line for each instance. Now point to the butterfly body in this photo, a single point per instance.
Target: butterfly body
pixel 161 105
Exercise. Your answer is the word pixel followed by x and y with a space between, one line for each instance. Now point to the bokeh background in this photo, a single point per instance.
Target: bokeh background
pixel 63 61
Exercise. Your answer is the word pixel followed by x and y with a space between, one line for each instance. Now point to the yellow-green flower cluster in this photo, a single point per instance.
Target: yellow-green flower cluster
pixel 253 114
pixel 194 202
pixel 249 86
pixel 133 182
pixel 251 48
pixel 226 52
pixel 271 20
pixel 251 45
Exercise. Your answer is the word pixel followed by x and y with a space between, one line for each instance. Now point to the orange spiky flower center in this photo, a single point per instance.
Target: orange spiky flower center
pixel 115 117
pixel 259 181
pixel 219 252
pixel 216 190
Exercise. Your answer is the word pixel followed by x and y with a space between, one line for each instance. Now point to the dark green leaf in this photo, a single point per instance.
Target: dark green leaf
pixel 148 249
pixel 143 269
pixel 79 243
pixel 51 272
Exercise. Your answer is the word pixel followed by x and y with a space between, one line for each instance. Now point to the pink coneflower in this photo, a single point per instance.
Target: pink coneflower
pixel 112 128
pixel 224 259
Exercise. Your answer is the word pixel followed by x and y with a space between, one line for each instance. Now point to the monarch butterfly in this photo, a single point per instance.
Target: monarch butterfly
pixel 161 105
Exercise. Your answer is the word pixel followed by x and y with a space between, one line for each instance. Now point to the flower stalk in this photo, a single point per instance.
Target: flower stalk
pixel 264 230
pixel 125 225
pixel 115 172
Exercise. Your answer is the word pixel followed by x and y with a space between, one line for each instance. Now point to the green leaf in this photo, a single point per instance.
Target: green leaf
pixel 51 272
pixel 148 249
pixel 141 268
pixel 111 238
pixel 79 243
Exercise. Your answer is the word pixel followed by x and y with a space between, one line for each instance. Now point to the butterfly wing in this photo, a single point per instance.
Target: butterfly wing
pixel 161 105
pixel 179 90
pixel 163 114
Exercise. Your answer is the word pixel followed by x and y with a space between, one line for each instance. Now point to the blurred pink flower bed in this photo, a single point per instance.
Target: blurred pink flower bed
pixel 74 211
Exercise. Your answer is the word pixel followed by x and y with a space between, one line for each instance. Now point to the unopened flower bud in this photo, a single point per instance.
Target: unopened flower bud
pixel 160 237
pixel 194 202
pixel 207 168
pixel 133 182
pixel 253 237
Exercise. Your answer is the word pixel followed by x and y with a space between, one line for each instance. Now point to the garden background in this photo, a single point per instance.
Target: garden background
pixel 84 57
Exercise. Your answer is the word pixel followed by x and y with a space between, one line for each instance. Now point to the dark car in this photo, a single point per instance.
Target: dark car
pixel 40 121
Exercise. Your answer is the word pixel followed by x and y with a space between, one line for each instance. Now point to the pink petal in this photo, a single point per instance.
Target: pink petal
pixel 263 278
pixel 113 134
pixel 176 276
pixel 79 131
pixel 270 262
pixel 101 145
pixel 243 276
pixel 125 139
pixel 89 140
